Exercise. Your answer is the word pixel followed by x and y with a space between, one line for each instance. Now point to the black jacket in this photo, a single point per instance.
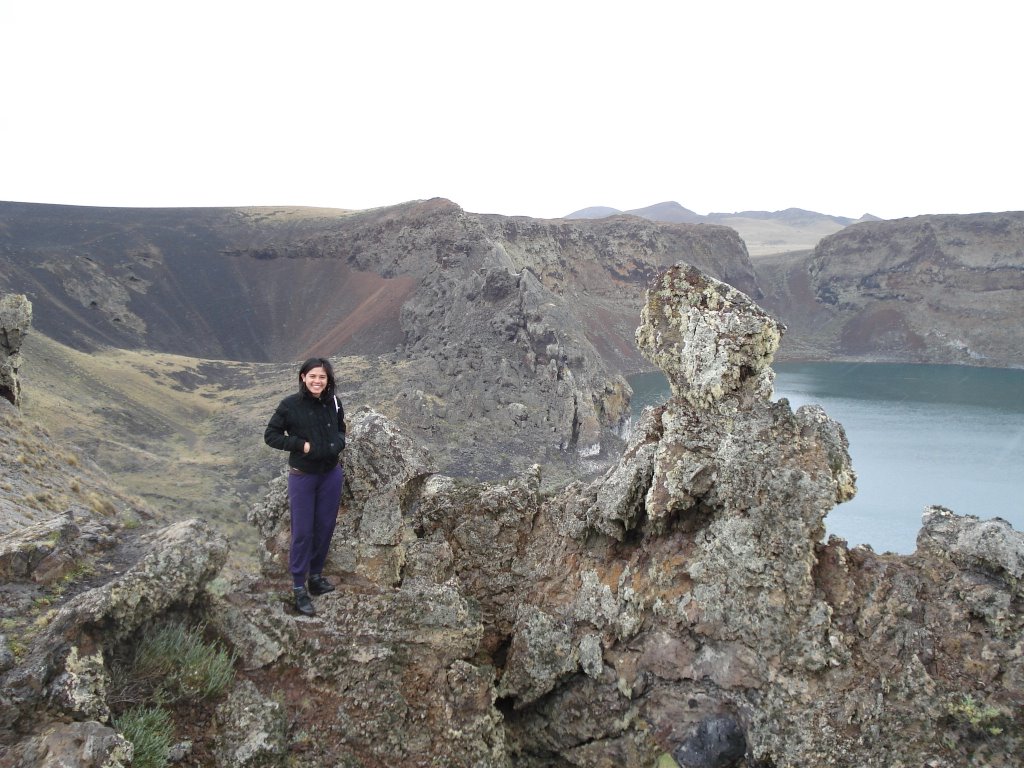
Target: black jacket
pixel 301 418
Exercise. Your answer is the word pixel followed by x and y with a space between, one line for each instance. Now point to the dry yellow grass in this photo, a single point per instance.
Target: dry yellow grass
pixel 285 212
pixel 184 434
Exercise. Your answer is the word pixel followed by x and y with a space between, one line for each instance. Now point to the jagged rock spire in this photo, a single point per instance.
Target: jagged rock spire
pixel 15 320
pixel 711 340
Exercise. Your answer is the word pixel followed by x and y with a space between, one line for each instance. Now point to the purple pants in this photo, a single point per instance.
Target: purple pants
pixel 314 501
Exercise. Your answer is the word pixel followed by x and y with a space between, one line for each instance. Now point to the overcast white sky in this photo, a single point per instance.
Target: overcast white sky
pixel 896 108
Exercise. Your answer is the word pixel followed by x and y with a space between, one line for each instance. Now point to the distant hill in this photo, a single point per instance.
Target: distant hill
pixel 764 232
pixel 795 216
pixel 671 212
pixel 597 212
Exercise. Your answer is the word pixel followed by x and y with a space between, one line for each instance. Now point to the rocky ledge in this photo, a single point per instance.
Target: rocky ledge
pixel 683 609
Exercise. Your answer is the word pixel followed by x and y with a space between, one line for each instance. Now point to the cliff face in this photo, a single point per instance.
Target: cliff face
pixel 509 336
pixel 939 289
pixel 602 268
pixel 263 284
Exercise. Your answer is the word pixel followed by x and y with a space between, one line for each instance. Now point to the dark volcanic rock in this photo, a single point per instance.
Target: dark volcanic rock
pixel 685 604
pixel 716 742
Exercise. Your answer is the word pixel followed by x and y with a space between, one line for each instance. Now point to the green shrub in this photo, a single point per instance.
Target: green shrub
pixel 149 730
pixel 183 664
pixel 977 716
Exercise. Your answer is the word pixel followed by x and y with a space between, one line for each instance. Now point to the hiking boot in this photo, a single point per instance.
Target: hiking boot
pixel 318 585
pixel 302 602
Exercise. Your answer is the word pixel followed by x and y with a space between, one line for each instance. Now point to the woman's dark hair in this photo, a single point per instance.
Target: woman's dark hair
pixel 317 362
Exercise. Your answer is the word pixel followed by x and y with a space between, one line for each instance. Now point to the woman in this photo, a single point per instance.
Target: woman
pixel 310 425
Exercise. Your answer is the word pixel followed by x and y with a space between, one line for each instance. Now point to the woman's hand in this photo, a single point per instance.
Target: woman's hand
pixel 306 447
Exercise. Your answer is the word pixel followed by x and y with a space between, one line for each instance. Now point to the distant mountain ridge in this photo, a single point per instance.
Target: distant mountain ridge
pixel 673 212
pixel 764 232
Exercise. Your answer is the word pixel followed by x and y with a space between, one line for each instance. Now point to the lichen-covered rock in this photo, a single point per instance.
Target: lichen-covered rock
pixel 254 647
pixel 64 664
pixel 387 676
pixel 80 690
pixel 710 339
pixel 250 730
pixel 72 745
pixel 541 656
pixel 684 604
pixel 380 467
pixel 989 545
pixel 15 321
pixel 620 498
pixel 179 561
pixel 23 551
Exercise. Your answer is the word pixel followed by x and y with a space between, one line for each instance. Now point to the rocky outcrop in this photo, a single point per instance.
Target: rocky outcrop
pixel 64 672
pixel 764 232
pixel 15 320
pixel 45 552
pixel 684 606
pixel 79 744
pixel 936 289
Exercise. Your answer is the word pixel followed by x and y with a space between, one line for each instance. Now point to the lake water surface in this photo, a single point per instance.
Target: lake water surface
pixel 919 435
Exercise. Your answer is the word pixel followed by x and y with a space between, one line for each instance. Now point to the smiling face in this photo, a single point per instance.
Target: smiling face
pixel 315 380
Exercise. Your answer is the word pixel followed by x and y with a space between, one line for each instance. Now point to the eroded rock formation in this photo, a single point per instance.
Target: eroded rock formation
pixel 683 608
pixel 15 320
pixel 54 708
pixel 684 604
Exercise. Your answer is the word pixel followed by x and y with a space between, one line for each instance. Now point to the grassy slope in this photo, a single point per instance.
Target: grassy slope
pixel 183 433
pixel 146 418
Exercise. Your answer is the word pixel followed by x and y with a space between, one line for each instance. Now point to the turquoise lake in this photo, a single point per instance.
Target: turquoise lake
pixel 919 435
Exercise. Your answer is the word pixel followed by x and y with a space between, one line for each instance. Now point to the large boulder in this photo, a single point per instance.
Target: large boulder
pixel 64 669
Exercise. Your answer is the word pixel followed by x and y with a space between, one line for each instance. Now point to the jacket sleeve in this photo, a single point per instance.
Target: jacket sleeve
pixel 276 435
